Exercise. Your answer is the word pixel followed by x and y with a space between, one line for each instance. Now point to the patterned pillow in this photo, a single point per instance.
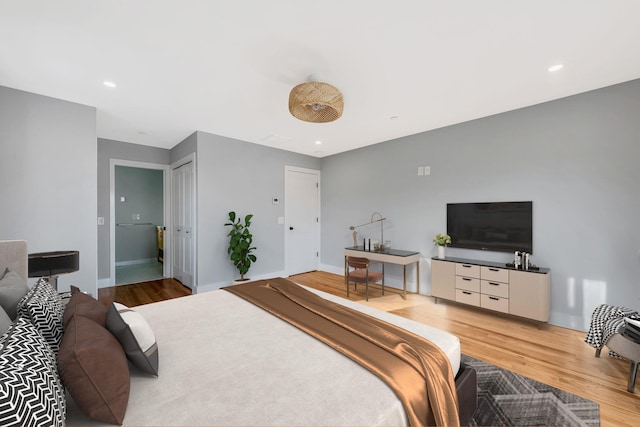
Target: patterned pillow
pixel 135 335
pixel 31 393
pixel 44 308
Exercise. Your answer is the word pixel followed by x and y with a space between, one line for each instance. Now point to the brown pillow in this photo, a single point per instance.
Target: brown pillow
pixel 87 306
pixel 94 370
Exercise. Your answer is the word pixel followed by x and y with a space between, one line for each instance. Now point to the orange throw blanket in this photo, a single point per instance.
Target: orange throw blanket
pixel 416 369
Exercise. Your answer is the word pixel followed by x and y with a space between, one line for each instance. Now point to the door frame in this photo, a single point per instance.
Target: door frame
pixel 287 267
pixel 189 158
pixel 166 195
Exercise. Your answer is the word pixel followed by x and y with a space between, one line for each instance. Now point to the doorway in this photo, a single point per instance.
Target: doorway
pixel 139 249
pixel 302 219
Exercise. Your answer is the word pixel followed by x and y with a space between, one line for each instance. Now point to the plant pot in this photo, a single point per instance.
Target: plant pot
pixel 441 252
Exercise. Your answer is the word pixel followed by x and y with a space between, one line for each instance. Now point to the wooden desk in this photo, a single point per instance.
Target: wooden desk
pixel 392 256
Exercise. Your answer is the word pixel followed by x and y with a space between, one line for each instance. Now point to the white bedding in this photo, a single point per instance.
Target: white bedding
pixel 224 361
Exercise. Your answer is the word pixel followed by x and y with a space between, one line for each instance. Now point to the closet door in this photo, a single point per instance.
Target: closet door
pixel 183 224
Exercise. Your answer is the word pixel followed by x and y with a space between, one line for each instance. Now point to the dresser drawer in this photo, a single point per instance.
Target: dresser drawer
pixel 468 270
pixel 494 303
pixel 494 274
pixel 496 289
pixel 468 297
pixel 468 283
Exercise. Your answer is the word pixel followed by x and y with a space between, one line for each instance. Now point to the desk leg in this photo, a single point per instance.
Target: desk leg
pixel 345 275
pixel 418 277
pixel 404 281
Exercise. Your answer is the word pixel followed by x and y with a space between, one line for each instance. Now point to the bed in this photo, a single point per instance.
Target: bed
pixel 224 361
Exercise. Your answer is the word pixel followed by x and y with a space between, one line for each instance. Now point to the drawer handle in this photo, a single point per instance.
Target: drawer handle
pixel 466 266
pixel 466 293
pixel 494 269
pixel 494 298
pixel 466 279
pixel 494 283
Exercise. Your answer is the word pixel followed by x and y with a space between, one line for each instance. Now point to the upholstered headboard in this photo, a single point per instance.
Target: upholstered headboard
pixel 13 254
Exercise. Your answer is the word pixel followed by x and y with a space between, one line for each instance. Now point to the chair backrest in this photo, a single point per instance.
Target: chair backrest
pixel 358 262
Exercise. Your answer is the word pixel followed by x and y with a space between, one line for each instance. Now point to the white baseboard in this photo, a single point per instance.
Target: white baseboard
pixel 104 283
pixel 136 261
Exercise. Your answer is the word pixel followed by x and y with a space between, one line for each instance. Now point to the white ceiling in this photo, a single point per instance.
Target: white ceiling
pixel 226 67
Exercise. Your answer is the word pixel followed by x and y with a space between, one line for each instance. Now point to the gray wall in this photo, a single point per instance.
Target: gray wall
pixel 48 178
pixel 239 176
pixel 577 159
pixel 142 190
pixel 107 150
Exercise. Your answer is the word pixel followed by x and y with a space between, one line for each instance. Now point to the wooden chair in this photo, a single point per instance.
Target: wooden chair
pixel 362 274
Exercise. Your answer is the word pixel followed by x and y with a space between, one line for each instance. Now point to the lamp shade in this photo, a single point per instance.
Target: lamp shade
pixel 46 264
pixel 316 102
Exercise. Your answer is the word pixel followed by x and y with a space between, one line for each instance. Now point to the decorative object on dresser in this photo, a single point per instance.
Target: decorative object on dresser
pixel 441 240
pixel 491 285
pixel 52 264
pixel 240 240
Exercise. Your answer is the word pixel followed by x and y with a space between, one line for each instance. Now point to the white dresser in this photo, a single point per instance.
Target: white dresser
pixel 493 286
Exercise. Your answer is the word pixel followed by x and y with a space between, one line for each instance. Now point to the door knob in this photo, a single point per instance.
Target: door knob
pixel 290 228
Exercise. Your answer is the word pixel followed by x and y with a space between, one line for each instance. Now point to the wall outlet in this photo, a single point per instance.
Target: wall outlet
pixel 427 170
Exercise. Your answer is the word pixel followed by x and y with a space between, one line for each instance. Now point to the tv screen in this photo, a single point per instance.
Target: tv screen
pixel 493 226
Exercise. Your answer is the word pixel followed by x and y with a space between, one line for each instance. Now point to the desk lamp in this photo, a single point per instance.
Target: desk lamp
pixel 380 220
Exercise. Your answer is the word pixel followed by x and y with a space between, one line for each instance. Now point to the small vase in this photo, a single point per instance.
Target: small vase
pixel 441 252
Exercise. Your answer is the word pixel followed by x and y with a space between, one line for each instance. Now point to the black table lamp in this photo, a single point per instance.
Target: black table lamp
pixel 51 264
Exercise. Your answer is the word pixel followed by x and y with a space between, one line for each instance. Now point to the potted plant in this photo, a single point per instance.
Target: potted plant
pixel 442 240
pixel 240 239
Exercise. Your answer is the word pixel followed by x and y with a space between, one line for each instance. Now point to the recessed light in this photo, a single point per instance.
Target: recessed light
pixel 555 68
pixel 318 142
pixel 393 118
pixel 109 84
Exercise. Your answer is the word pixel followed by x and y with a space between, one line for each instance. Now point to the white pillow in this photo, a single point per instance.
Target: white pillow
pixel 135 335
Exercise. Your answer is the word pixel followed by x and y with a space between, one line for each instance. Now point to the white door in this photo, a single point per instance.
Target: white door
pixel 183 224
pixel 302 219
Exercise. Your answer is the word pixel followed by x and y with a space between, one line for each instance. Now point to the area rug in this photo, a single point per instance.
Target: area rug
pixel 508 399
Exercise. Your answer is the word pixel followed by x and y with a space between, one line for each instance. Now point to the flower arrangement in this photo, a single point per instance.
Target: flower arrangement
pixel 442 239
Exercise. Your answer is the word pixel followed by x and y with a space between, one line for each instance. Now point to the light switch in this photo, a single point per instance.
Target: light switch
pixel 420 170
pixel 123 199
pixel 427 170
pixel 280 220
pixel 100 220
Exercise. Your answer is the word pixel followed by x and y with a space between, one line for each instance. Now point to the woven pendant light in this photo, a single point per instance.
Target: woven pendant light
pixel 316 102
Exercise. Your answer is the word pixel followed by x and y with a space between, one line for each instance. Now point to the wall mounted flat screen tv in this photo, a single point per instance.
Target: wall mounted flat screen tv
pixel 493 226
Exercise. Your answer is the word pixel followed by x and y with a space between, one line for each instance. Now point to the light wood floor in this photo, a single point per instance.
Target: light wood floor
pixel 550 354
